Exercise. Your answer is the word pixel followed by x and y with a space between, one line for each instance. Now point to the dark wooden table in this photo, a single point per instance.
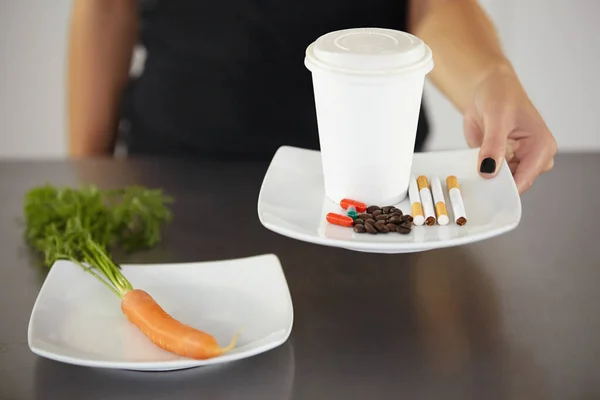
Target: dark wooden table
pixel 514 317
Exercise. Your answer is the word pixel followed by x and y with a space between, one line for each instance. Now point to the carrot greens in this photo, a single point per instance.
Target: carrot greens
pixel 85 225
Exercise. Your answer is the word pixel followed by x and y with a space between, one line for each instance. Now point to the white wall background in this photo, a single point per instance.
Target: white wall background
pixel 554 44
pixel 555 48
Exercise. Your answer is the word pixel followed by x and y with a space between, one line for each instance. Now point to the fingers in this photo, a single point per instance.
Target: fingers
pixel 537 160
pixel 549 165
pixel 512 146
pixel 473 131
pixel 497 127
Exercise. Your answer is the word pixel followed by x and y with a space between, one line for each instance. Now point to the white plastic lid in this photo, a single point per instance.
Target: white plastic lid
pixel 369 51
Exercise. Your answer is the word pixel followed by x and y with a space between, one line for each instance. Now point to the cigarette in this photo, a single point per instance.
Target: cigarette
pixel 458 207
pixel 440 203
pixel 415 202
pixel 426 200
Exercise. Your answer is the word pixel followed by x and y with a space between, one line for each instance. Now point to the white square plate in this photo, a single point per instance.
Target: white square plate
pixel 78 320
pixel 292 203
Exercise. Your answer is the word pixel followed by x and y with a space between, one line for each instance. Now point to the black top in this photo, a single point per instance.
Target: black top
pixel 228 78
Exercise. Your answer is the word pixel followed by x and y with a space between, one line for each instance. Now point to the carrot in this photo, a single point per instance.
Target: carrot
pixel 166 332
pixel 139 307
pixel 82 225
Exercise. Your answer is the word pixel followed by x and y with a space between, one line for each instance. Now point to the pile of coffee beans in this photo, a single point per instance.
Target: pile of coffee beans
pixel 383 220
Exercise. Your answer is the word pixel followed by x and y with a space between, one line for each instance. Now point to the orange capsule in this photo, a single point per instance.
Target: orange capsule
pixel 360 207
pixel 339 219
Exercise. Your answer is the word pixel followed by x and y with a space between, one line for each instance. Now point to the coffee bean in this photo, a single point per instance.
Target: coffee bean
pixel 364 216
pixel 381 217
pixel 393 210
pixel 380 226
pixel 407 218
pixel 370 221
pixel 377 212
pixel 396 212
pixel 372 208
pixel 402 229
pixel 391 227
pixel 358 222
pixel 395 219
pixel 386 209
pixel 406 224
pixel 359 228
pixel 369 227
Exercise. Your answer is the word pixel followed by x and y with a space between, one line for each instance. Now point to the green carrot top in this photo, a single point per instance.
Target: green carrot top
pixel 84 225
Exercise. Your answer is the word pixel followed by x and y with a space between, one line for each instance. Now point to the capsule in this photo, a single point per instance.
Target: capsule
pixel 339 219
pixel 351 212
pixel 360 207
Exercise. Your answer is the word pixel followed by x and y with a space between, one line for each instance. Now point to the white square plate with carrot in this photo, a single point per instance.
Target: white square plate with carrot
pixel 162 316
pixel 292 202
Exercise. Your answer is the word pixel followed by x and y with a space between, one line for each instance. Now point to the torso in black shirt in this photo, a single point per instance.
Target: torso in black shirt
pixel 227 78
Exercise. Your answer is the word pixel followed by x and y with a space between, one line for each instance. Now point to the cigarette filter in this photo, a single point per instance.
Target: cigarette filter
pixel 415 202
pixel 440 203
pixel 458 207
pixel 426 200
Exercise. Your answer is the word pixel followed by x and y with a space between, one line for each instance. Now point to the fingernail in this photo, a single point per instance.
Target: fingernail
pixel 488 166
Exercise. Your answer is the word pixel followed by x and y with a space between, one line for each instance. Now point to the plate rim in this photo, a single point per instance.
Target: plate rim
pixel 182 363
pixel 384 247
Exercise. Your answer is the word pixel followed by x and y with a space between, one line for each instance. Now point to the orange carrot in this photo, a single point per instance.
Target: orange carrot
pixel 145 313
pixel 166 332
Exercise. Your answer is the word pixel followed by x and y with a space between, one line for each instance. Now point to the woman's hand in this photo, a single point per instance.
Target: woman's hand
pixel 505 124
pixel 473 72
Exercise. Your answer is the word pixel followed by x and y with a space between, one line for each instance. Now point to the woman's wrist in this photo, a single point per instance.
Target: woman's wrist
pixel 500 69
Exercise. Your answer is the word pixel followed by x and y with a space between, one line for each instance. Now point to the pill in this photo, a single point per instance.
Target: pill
pixel 438 199
pixel 360 207
pixel 352 213
pixel 339 219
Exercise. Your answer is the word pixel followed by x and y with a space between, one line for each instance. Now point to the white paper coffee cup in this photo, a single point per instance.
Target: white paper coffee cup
pixel 368 86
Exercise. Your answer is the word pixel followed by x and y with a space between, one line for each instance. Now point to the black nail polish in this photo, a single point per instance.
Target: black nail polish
pixel 488 166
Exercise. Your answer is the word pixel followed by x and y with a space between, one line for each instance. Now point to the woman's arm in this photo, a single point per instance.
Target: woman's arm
pixel 464 43
pixel 473 72
pixel 101 41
